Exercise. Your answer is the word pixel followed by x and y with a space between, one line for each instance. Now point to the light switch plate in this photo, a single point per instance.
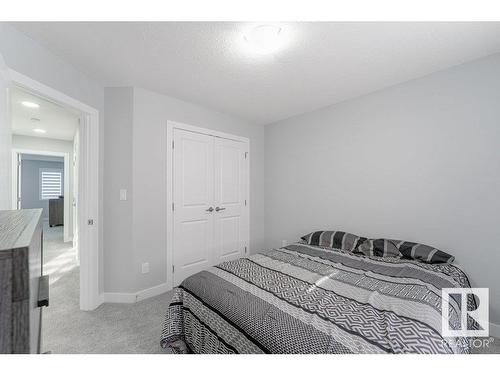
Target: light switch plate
pixel 145 267
pixel 123 194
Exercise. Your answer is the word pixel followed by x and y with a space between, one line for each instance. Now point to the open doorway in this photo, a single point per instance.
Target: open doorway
pixel 45 146
pixel 43 183
pixel 45 136
pixel 88 226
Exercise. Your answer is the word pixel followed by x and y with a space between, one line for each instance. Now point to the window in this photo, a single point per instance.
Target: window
pixel 50 183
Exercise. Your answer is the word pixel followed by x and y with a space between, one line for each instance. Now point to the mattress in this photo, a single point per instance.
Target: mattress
pixel 309 299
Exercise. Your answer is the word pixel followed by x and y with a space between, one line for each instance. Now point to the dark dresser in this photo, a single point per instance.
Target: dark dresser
pixel 56 212
pixel 22 287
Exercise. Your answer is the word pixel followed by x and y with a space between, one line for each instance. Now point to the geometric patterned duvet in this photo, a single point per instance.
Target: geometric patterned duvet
pixel 308 299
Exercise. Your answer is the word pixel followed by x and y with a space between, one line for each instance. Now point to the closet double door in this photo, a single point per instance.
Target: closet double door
pixel 210 195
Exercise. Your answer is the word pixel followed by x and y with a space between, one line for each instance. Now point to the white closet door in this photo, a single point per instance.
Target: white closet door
pixel 231 212
pixel 193 193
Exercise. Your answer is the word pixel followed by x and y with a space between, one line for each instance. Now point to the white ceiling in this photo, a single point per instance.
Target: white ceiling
pixel 322 63
pixel 59 122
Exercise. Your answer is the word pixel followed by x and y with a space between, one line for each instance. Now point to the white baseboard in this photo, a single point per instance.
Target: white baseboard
pixel 495 330
pixel 153 291
pixel 135 297
pixel 119 297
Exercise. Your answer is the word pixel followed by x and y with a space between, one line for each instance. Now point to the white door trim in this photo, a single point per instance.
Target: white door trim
pixel 88 187
pixel 171 125
pixel 65 155
pixel 5 120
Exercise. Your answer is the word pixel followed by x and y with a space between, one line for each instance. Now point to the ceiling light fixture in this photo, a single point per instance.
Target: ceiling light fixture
pixel 30 104
pixel 264 38
pixel 41 131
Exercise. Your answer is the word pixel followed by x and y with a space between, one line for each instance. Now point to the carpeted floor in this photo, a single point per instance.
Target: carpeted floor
pixel 111 328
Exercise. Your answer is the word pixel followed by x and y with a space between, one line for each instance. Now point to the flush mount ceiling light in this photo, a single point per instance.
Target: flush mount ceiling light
pixel 30 104
pixel 41 131
pixel 264 39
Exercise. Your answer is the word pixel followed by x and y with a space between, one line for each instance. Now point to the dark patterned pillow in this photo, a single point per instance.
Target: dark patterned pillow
pixel 334 239
pixel 381 247
pixel 425 253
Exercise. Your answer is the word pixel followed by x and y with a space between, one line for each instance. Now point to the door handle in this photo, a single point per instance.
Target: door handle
pixel 43 291
pixel 219 208
pixel 210 209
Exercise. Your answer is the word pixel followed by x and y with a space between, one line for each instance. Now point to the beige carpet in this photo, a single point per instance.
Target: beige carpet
pixel 111 328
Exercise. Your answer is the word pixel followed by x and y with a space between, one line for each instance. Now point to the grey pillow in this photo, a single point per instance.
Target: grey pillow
pixel 425 253
pixel 381 247
pixel 384 247
pixel 334 239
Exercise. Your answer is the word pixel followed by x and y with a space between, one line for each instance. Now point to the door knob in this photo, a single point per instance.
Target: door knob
pixel 219 208
pixel 210 209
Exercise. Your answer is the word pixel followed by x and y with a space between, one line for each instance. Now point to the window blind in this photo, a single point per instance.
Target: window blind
pixel 50 183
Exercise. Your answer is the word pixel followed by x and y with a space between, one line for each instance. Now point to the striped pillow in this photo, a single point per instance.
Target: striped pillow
pixel 334 239
pixel 384 247
pixel 425 253
pixel 380 247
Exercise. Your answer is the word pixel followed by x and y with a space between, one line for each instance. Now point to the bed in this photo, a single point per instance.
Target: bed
pixel 311 299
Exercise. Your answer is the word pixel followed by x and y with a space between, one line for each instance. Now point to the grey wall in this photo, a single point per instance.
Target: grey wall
pixel 119 274
pixel 30 183
pixel 131 134
pixel 419 161
pixel 30 58
pixel 135 230
pixel 151 111
pixel 23 142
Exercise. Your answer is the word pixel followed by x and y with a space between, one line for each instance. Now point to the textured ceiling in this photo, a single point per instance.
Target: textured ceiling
pixel 208 64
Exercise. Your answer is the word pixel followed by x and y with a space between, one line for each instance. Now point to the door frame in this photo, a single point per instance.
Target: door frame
pixel 88 186
pixel 171 125
pixel 15 187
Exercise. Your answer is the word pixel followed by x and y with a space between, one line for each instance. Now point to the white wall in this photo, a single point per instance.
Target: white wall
pixel 30 58
pixel 24 142
pixel 419 161
pixel 137 160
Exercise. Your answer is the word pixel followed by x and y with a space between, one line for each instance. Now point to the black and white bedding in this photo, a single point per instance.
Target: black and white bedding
pixel 311 299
